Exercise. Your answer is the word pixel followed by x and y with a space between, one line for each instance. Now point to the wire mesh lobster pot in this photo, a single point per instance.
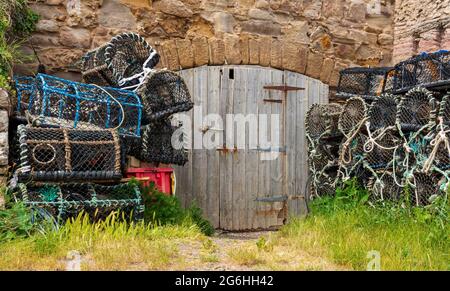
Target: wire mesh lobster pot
pixel 385 188
pixel 424 186
pixel 26 93
pixel 164 93
pixel 444 111
pixel 437 152
pixel 321 121
pixel 162 143
pixel 67 200
pixel 52 154
pixel 353 114
pixel 324 156
pixel 380 154
pixel 125 56
pixel 416 110
pixel 63 103
pixel 363 82
pixel 321 185
pixel 383 112
pixel 425 70
pixel 351 154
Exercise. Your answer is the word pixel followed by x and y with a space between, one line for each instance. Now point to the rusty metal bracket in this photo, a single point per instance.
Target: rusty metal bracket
pixel 270 149
pixel 227 150
pixel 283 88
pixel 273 100
pixel 272 199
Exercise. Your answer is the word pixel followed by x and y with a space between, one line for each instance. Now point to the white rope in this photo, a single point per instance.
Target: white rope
pixel 371 142
pixel 141 76
pixel 117 101
pixel 441 137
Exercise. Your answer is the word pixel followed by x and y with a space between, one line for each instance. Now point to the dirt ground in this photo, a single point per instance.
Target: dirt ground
pixel 240 251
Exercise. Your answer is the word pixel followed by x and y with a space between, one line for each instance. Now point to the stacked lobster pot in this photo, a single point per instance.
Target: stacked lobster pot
pixel 396 139
pixel 323 147
pixel 68 157
pixel 128 62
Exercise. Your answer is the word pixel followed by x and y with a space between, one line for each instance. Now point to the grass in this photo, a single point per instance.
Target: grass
pixel 108 245
pixel 406 238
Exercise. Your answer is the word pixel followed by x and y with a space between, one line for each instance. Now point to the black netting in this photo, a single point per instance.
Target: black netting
pixel 162 143
pixel 426 70
pixel 383 112
pixel 321 185
pixel 322 119
pixel 424 186
pixel 26 93
pixel 363 82
pixel 385 188
pixel 164 93
pixel 416 110
pixel 123 57
pixel 444 111
pixel 352 116
pixel 67 200
pixel 59 154
pixel 381 154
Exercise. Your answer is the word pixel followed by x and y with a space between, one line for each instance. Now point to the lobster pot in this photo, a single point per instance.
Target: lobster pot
pixel 353 113
pixel 63 103
pixel 321 120
pixel 26 94
pixel 163 143
pixel 164 93
pixel 67 200
pixel 123 57
pixel 53 154
pixel 385 188
pixel 363 82
pixel 352 153
pixel 321 185
pixel 381 155
pixel 383 112
pixel 425 70
pixel 444 111
pixel 94 68
pixel 424 186
pixel 416 110
pixel 324 156
pixel 438 154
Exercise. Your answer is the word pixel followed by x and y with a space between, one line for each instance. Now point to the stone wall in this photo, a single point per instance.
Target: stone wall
pixel 4 145
pixel 421 26
pixel 313 37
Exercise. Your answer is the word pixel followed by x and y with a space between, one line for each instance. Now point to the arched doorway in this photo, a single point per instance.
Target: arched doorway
pixel 237 182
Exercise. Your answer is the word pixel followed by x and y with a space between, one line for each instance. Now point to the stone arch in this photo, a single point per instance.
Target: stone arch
pixel 264 51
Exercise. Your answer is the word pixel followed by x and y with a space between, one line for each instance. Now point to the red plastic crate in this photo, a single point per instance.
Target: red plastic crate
pixel 162 177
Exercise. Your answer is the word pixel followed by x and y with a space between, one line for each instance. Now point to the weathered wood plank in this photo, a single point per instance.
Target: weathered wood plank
pixel 238 167
pixel 199 158
pixel 277 168
pixel 226 158
pixel 252 156
pixel 213 167
pixel 291 142
pixel 302 156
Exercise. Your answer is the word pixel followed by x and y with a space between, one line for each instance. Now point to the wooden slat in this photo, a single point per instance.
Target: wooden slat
pixel 264 179
pixel 291 142
pixel 252 156
pixel 213 169
pixel 301 157
pixel 199 157
pixel 239 195
pixel 277 169
pixel 226 158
